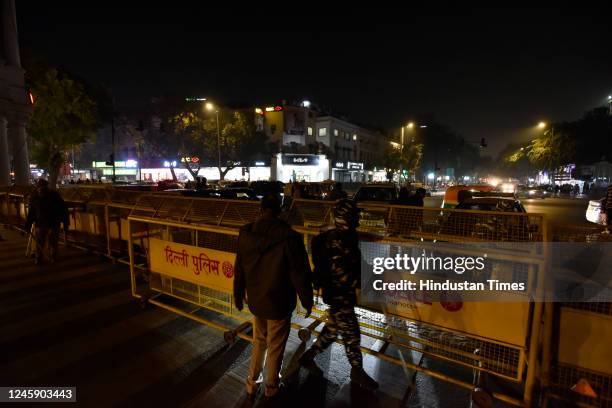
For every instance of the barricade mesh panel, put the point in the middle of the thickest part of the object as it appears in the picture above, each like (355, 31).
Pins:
(564, 377)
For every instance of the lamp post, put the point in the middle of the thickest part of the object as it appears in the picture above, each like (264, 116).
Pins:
(410, 126)
(211, 107)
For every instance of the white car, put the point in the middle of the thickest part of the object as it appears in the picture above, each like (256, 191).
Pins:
(595, 212)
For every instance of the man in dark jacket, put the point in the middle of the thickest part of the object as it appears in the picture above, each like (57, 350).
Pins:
(46, 211)
(271, 266)
(337, 261)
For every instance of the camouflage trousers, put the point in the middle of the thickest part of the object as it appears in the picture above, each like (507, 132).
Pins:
(342, 322)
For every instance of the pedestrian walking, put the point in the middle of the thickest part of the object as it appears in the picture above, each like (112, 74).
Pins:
(271, 267)
(46, 212)
(337, 261)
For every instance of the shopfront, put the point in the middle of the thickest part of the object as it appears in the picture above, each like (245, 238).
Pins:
(348, 172)
(300, 167)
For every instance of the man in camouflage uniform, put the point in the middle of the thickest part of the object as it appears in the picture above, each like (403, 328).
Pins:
(337, 261)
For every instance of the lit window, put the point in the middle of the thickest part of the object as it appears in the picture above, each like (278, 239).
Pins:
(335, 132)
(354, 137)
(309, 130)
(322, 131)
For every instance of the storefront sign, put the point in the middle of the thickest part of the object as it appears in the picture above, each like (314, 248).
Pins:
(339, 165)
(203, 266)
(193, 159)
(301, 159)
(354, 166)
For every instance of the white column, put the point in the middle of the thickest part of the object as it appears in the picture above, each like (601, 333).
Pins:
(21, 163)
(5, 177)
(9, 31)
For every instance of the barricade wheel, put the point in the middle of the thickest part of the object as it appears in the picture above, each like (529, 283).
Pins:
(229, 336)
(304, 334)
(482, 398)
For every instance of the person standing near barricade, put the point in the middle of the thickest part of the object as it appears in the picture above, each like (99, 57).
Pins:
(46, 211)
(337, 259)
(271, 266)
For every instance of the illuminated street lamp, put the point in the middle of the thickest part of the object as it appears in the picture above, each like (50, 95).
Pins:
(210, 107)
(542, 125)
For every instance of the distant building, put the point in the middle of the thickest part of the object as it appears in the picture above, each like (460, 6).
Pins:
(354, 150)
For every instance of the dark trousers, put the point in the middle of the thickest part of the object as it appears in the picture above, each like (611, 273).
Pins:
(342, 321)
(47, 235)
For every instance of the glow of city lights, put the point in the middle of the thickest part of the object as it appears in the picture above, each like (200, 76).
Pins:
(423, 126)
(210, 106)
(306, 104)
(542, 125)
(431, 176)
(494, 182)
(258, 111)
(466, 178)
(410, 125)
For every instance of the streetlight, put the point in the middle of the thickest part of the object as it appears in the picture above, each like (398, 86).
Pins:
(410, 126)
(210, 107)
(542, 125)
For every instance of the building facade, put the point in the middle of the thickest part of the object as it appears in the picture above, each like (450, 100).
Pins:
(15, 103)
(354, 150)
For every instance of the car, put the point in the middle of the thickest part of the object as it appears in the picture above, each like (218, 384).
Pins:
(376, 193)
(490, 227)
(595, 212)
(238, 193)
(532, 192)
(369, 197)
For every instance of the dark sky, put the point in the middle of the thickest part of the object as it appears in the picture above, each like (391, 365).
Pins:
(484, 72)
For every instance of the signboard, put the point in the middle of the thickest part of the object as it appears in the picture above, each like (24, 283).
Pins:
(301, 159)
(354, 166)
(339, 165)
(202, 266)
(193, 159)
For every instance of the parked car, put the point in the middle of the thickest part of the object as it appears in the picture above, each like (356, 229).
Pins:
(238, 193)
(486, 226)
(376, 193)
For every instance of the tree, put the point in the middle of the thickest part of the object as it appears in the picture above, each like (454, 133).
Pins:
(551, 150)
(409, 159)
(64, 116)
(238, 142)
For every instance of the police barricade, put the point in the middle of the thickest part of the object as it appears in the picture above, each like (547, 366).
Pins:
(188, 246)
(580, 356)
(472, 335)
(14, 204)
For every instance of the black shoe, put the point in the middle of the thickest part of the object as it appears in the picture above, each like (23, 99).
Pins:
(306, 360)
(361, 378)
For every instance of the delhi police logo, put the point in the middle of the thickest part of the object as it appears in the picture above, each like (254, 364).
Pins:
(228, 269)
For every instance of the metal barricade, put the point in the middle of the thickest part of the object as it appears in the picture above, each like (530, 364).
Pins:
(183, 229)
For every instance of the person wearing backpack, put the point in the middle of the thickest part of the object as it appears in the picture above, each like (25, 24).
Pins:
(271, 267)
(337, 272)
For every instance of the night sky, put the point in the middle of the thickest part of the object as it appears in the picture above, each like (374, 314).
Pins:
(486, 73)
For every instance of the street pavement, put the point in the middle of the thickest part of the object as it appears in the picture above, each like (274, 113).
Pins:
(75, 323)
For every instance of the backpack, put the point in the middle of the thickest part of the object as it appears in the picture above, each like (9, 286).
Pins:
(321, 275)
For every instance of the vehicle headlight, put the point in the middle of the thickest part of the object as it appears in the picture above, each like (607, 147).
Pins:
(531, 192)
